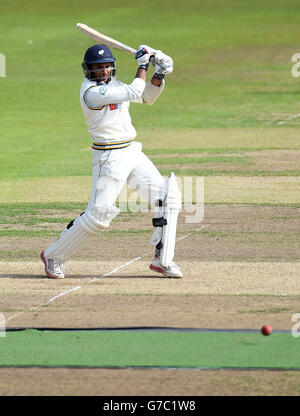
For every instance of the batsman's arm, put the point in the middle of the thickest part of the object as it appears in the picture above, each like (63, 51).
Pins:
(157, 81)
(152, 91)
(141, 74)
(99, 95)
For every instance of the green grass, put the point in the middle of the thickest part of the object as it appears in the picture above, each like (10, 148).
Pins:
(129, 231)
(222, 172)
(28, 215)
(266, 311)
(49, 233)
(28, 233)
(232, 63)
(12, 209)
(41, 215)
(150, 348)
(216, 150)
(233, 160)
(32, 221)
(252, 235)
(19, 255)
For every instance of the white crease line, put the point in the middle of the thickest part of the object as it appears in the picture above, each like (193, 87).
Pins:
(192, 232)
(291, 118)
(144, 255)
(117, 268)
(64, 293)
(92, 280)
(103, 275)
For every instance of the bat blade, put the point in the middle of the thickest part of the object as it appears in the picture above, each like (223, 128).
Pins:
(103, 39)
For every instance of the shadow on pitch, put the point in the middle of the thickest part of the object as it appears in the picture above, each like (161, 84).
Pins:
(74, 276)
(115, 276)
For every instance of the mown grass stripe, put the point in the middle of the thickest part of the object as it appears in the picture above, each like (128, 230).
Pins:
(32, 221)
(9, 209)
(234, 160)
(51, 233)
(222, 172)
(33, 208)
(214, 150)
(28, 233)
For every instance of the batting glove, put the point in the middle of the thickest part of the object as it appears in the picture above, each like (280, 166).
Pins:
(143, 57)
(149, 49)
(163, 64)
(162, 59)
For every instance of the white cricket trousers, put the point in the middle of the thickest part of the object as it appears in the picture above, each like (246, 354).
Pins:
(111, 170)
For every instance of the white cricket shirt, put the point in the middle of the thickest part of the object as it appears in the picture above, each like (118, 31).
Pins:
(106, 110)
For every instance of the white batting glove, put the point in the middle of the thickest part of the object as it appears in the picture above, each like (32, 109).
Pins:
(143, 56)
(162, 59)
(149, 49)
(163, 64)
(163, 71)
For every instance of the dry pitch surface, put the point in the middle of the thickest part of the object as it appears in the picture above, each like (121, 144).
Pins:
(241, 270)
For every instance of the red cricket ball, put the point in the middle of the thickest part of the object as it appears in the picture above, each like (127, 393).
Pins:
(266, 330)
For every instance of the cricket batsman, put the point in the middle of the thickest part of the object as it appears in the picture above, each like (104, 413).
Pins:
(117, 158)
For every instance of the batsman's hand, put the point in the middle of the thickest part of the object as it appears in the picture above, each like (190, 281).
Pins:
(143, 57)
(163, 64)
(149, 49)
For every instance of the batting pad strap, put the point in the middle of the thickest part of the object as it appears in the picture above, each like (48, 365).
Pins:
(159, 222)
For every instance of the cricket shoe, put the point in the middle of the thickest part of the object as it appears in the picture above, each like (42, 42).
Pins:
(53, 268)
(171, 271)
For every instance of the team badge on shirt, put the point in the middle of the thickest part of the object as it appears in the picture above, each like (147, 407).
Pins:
(102, 89)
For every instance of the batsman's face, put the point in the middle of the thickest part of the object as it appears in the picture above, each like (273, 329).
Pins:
(102, 71)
